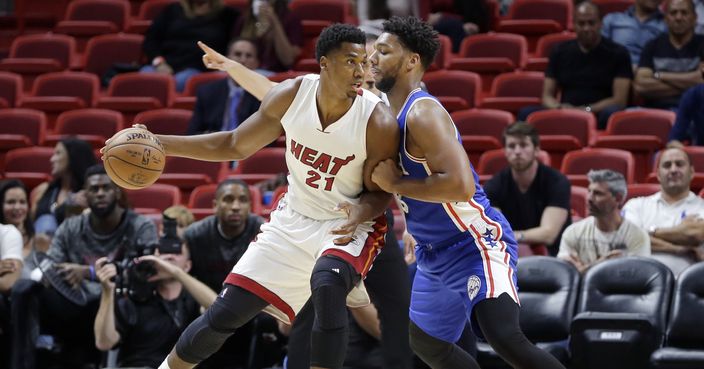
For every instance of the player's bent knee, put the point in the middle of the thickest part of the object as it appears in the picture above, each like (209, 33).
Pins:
(426, 346)
(206, 334)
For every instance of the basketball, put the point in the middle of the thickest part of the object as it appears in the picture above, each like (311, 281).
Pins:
(134, 158)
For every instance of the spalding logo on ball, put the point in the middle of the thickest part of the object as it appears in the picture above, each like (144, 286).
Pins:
(134, 158)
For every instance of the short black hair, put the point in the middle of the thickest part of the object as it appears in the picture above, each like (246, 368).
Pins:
(522, 129)
(332, 37)
(233, 181)
(94, 170)
(415, 35)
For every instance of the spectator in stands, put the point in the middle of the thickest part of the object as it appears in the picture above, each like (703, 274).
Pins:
(468, 18)
(633, 28)
(170, 41)
(63, 196)
(146, 329)
(689, 126)
(605, 234)
(183, 217)
(77, 244)
(591, 73)
(699, 7)
(10, 270)
(372, 13)
(672, 62)
(534, 197)
(217, 243)
(222, 105)
(277, 31)
(673, 217)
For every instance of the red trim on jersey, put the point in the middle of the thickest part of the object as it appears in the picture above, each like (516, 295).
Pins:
(480, 209)
(261, 291)
(490, 281)
(457, 217)
(513, 287)
(372, 247)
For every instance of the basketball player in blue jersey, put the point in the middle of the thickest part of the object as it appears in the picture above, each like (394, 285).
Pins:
(466, 252)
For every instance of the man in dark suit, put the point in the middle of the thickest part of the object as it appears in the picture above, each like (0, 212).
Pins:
(222, 105)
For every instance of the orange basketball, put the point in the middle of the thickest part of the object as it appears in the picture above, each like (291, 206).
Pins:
(134, 158)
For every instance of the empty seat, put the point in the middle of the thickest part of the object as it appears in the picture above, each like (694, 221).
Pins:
(685, 338)
(165, 121)
(318, 14)
(154, 199)
(87, 18)
(576, 164)
(481, 130)
(548, 294)
(137, 92)
(455, 89)
(103, 51)
(189, 173)
(579, 198)
(563, 130)
(622, 311)
(263, 165)
(187, 100)
(10, 89)
(21, 128)
(147, 12)
(535, 18)
(91, 125)
(612, 6)
(31, 55)
(539, 62)
(201, 200)
(515, 90)
(29, 164)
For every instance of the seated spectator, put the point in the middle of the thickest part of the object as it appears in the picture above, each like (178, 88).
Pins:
(699, 7)
(534, 198)
(170, 41)
(222, 105)
(689, 126)
(63, 196)
(183, 217)
(77, 244)
(146, 329)
(674, 217)
(277, 31)
(217, 243)
(633, 28)
(10, 270)
(605, 234)
(469, 18)
(590, 73)
(372, 13)
(671, 63)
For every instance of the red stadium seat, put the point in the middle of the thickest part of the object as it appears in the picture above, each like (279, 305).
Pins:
(21, 128)
(189, 173)
(576, 164)
(282, 76)
(318, 14)
(490, 54)
(147, 11)
(579, 202)
(265, 164)
(563, 130)
(542, 50)
(442, 58)
(535, 18)
(136, 92)
(515, 90)
(10, 89)
(91, 125)
(455, 89)
(641, 189)
(481, 130)
(241, 5)
(641, 131)
(105, 50)
(39, 14)
(188, 99)
(201, 200)
(154, 199)
(31, 55)
(30, 165)
(165, 121)
(612, 6)
(87, 18)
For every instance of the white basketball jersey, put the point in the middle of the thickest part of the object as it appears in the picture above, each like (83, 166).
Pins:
(325, 166)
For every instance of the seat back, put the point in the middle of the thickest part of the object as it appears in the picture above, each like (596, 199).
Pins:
(579, 201)
(582, 161)
(200, 79)
(557, 10)
(176, 164)
(482, 122)
(442, 58)
(29, 160)
(641, 190)
(47, 46)
(102, 122)
(10, 88)
(113, 11)
(684, 328)
(155, 198)
(105, 50)
(269, 160)
(157, 85)
(628, 285)
(165, 121)
(85, 86)
(548, 293)
(518, 84)
(547, 42)
(27, 122)
(507, 45)
(466, 85)
(579, 124)
(335, 11)
(150, 9)
(655, 122)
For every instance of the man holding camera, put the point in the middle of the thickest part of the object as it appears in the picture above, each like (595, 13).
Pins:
(76, 245)
(146, 329)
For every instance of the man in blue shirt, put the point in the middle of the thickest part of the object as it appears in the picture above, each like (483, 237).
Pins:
(689, 125)
(633, 28)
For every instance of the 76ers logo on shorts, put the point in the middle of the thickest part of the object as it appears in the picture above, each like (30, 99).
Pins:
(473, 286)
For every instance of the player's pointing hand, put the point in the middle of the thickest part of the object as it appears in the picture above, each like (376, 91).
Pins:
(386, 174)
(213, 59)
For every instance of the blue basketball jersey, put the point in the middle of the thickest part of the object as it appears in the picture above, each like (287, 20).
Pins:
(431, 223)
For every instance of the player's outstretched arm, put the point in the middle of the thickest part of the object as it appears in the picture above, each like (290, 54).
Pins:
(253, 82)
(431, 129)
(260, 129)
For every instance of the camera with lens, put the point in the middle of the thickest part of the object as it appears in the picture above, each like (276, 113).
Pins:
(132, 277)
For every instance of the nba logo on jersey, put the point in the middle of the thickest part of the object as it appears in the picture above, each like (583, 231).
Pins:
(473, 285)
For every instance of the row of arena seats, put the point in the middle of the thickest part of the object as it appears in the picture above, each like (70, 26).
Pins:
(626, 313)
(641, 132)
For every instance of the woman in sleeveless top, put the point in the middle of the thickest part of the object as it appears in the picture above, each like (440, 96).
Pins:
(62, 196)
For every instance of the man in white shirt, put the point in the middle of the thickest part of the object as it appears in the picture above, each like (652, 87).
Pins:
(10, 257)
(674, 217)
(605, 234)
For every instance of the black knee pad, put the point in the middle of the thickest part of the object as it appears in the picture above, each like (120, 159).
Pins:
(206, 334)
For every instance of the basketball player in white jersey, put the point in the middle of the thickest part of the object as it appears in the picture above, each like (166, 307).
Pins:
(327, 230)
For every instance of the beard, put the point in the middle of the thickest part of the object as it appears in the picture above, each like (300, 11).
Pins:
(103, 212)
(386, 84)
